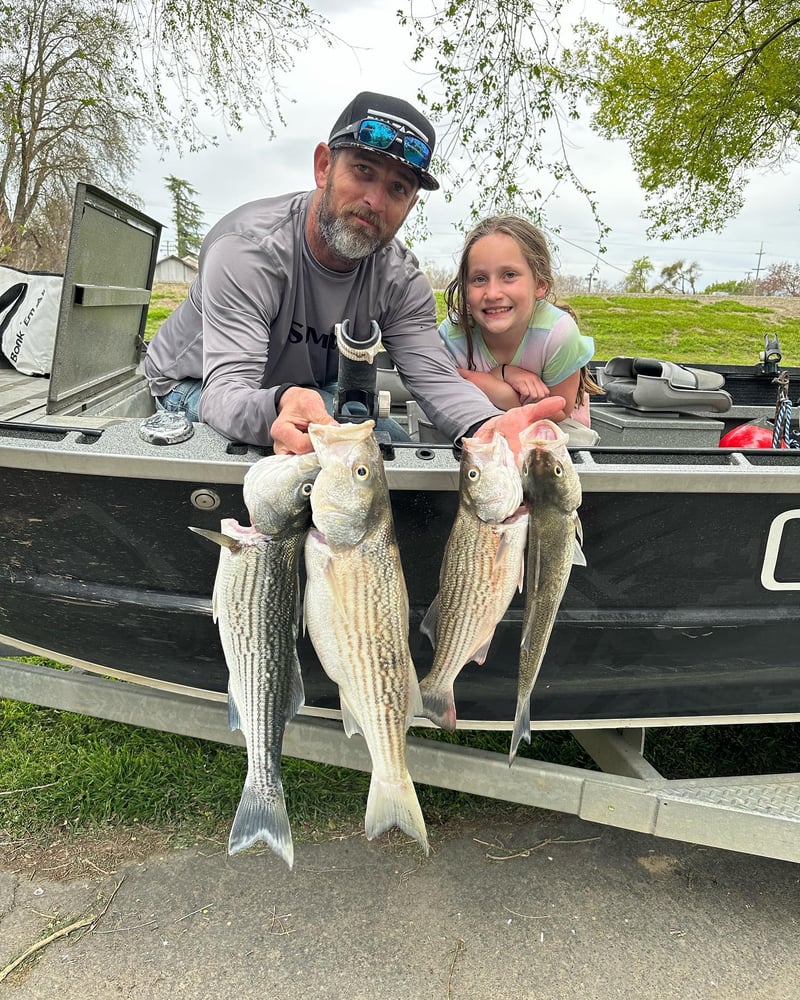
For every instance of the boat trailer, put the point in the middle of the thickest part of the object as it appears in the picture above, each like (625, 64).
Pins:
(754, 814)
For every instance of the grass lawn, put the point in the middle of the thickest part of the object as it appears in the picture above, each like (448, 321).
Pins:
(704, 330)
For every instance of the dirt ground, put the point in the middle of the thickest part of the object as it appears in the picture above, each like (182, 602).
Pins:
(785, 307)
(545, 908)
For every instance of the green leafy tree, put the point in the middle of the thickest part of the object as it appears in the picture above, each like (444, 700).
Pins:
(671, 277)
(703, 93)
(730, 287)
(501, 101)
(81, 82)
(66, 115)
(229, 58)
(187, 216)
(676, 276)
(636, 280)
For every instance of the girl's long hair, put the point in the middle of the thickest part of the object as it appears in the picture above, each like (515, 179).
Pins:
(533, 245)
(587, 384)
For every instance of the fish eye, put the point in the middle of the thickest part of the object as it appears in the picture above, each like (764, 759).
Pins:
(525, 469)
(473, 474)
(362, 472)
(306, 488)
(558, 470)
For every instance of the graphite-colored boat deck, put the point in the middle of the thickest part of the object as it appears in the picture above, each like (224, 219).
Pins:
(22, 397)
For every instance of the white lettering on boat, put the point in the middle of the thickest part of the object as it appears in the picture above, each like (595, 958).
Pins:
(772, 550)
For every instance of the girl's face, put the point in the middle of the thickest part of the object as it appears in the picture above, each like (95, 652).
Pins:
(501, 288)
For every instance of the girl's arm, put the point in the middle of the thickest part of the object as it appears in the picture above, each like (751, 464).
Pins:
(530, 388)
(527, 384)
(568, 389)
(502, 394)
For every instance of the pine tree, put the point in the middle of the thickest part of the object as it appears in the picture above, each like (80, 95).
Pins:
(187, 216)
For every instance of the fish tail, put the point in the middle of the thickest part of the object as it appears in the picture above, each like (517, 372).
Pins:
(522, 727)
(438, 704)
(259, 818)
(394, 803)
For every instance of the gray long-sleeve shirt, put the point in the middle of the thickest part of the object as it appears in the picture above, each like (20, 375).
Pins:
(261, 313)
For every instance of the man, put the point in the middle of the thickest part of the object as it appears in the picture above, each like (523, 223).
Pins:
(276, 275)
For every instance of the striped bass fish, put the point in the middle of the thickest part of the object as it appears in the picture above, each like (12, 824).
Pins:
(552, 492)
(256, 604)
(356, 613)
(483, 565)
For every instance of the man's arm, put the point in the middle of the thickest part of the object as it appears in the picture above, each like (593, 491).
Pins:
(502, 394)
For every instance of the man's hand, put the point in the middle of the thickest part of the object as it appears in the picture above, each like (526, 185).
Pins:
(509, 424)
(297, 409)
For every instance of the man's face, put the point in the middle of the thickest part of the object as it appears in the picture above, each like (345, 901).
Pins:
(366, 198)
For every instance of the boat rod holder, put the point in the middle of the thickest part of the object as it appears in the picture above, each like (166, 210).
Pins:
(357, 397)
(770, 357)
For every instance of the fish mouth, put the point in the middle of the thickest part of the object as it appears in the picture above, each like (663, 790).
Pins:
(544, 432)
(542, 435)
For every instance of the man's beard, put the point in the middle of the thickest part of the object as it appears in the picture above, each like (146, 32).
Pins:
(345, 240)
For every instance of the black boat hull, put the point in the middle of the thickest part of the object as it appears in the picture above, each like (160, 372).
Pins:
(686, 611)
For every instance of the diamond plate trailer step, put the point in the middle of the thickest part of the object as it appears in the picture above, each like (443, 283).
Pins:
(756, 814)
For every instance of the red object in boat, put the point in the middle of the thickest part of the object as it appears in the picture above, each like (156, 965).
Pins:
(747, 436)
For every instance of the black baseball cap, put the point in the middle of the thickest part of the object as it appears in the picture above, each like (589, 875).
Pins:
(409, 138)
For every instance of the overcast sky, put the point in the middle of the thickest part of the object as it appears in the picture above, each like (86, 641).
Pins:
(247, 166)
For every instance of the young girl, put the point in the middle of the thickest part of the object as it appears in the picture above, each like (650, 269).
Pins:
(504, 330)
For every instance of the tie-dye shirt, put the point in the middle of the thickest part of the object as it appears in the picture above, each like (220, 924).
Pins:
(553, 347)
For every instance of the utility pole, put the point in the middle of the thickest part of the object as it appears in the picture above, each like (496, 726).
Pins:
(758, 266)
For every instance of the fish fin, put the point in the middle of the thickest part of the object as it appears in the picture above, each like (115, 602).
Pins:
(234, 718)
(216, 536)
(525, 641)
(533, 586)
(299, 602)
(391, 804)
(503, 547)
(578, 558)
(258, 818)
(522, 727)
(438, 704)
(334, 586)
(506, 551)
(430, 622)
(480, 654)
(527, 630)
(352, 726)
(297, 694)
(415, 706)
(521, 572)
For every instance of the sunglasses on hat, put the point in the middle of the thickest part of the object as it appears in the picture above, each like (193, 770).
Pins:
(381, 135)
